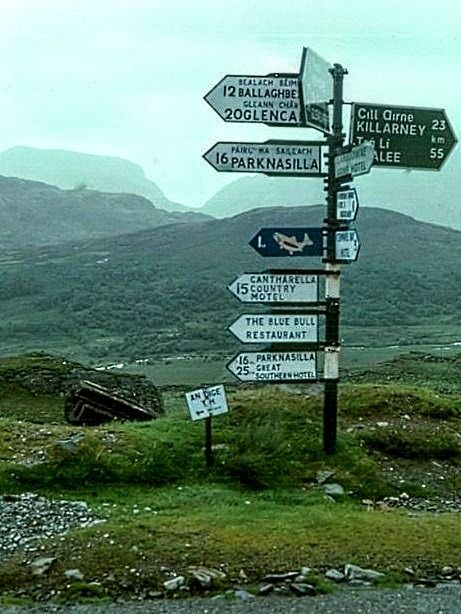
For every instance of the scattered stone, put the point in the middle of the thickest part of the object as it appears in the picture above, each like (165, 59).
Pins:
(174, 584)
(42, 565)
(280, 577)
(243, 595)
(27, 519)
(333, 490)
(202, 579)
(354, 572)
(359, 583)
(429, 582)
(335, 575)
(211, 572)
(323, 476)
(266, 589)
(74, 574)
(302, 589)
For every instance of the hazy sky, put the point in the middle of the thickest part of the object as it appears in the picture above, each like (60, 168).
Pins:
(127, 77)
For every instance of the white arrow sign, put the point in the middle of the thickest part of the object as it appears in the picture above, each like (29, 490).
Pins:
(276, 328)
(347, 205)
(275, 287)
(274, 366)
(207, 402)
(347, 245)
(271, 158)
(268, 100)
(357, 161)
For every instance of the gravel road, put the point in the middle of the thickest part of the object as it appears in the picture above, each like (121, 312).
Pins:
(444, 599)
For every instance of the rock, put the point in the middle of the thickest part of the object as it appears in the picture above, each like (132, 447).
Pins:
(42, 565)
(243, 595)
(280, 577)
(266, 589)
(323, 476)
(303, 589)
(74, 574)
(429, 582)
(333, 490)
(354, 572)
(335, 575)
(206, 574)
(243, 576)
(174, 584)
(202, 579)
(28, 518)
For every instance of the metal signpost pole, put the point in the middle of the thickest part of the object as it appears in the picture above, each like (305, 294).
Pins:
(208, 442)
(333, 270)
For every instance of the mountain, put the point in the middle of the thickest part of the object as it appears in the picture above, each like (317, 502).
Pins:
(33, 213)
(163, 291)
(249, 193)
(71, 170)
(429, 196)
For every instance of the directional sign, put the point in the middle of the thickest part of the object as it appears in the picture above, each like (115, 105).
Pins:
(316, 90)
(355, 162)
(276, 288)
(408, 137)
(274, 366)
(291, 158)
(347, 204)
(276, 328)
(271, 99)
(288, 242)
(207, 402)
(347, 245)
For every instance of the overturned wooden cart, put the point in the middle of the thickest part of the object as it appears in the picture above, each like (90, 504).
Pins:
(92, 404)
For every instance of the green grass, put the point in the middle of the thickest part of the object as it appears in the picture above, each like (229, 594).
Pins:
(259, 508)
(232, 529)
(270, 438)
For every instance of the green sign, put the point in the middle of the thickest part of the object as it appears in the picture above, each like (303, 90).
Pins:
(406, 137)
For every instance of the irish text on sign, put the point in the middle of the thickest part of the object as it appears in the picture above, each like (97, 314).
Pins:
(283, 287)
(271, 158)
(270, 100)
(276, 328)
(347, 205)
(355, 162)
(207, 402)
(347, 245)
(274, 366)
(408, 137)
(275, 242)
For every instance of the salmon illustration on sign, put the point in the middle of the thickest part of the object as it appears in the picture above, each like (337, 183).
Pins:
(291, 244)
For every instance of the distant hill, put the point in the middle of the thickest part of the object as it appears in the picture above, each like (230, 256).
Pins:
(429, 196)
(163, 290)
(33, 213)
(70, 170)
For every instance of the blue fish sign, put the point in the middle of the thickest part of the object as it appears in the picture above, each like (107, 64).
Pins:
(280, 242)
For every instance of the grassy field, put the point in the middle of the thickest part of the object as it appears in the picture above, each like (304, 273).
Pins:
(260, 508)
